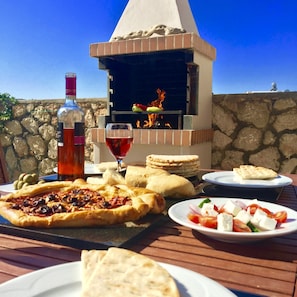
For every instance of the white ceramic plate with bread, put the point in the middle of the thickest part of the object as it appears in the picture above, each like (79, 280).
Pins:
(65, 280)
(230, 179)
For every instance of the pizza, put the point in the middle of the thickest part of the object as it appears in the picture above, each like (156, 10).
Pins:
(78, 204)
(120, 272)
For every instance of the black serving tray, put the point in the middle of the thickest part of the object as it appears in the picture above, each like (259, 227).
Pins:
(101, 237)
(88, 237)
(263, 194)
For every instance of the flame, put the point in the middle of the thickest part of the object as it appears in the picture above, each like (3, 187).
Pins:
(153, 117)
(158, 102)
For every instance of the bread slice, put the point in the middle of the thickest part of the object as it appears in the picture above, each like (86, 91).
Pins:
(254, 172)
(119, 272)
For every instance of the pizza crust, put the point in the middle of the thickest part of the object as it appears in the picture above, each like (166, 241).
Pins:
(142, 202)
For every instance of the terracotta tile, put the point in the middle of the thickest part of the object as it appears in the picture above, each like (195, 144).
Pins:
(137, 136)
(169, 42)
(130, 46)
(187, 42)
(145, 45)
(114, 48)
(153, 44)
(160, 136)
(144, 136)
(185, 137)
(177, 139)
(178, 41)
(93, 50)
(107, 48)
(153, 136)
(161, 43)
(137, 45)
(168, 137)
(100, 49)
(122, 47)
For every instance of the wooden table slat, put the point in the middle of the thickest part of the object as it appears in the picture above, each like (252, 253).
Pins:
(268, 267)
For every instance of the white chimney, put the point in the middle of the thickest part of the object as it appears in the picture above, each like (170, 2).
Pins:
(145, 14)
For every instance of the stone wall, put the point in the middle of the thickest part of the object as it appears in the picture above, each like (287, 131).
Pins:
(29, 139)
(255, 128)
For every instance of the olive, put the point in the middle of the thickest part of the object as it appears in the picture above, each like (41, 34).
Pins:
(28, 178)
(34, 177)
(20, 184)
(15, 184)
(21, 176)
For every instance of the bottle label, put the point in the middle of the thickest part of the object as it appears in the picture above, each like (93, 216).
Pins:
(79, 134)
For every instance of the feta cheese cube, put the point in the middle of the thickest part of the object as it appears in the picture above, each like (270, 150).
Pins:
(225, 222)
(243, 216)
(267, 224)
(232, 208)
(257, 217)
(208, 210)
(262, 221)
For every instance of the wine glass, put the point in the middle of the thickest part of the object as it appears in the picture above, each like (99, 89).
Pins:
(119, 138)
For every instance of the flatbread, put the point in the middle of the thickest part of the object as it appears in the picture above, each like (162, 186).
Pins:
(254, 172)
(78, 204)
(119, 272)
(180, 187)
(183, 165)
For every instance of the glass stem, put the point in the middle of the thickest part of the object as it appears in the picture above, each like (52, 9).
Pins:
(119, 161)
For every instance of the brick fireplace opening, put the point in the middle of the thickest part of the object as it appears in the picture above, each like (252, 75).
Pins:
(156, 44)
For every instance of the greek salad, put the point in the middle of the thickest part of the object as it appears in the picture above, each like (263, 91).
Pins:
(236, 216)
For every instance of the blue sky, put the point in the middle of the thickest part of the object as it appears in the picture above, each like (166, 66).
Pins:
(41, 40)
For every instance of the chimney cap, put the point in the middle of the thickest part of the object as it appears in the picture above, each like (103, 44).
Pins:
(143, 15)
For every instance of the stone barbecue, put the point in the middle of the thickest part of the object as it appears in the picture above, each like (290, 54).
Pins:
(156, 45)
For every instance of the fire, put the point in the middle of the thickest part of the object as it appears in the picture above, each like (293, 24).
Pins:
(154, 108)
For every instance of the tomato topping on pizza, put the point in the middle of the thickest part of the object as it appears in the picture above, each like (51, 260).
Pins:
(65, 201)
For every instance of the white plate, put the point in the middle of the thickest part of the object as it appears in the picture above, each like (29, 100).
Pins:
(179, 211)
(7, 188)
(228, 178)
(90, 169)
(64, 281)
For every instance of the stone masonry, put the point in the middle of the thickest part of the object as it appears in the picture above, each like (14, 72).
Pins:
(254, 128)
(29, 139)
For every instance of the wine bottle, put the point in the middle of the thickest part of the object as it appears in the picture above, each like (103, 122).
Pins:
(70, 134)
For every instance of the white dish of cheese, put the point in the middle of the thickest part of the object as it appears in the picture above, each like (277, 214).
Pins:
(179, 213)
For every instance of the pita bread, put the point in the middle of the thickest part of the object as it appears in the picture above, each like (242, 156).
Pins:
(119, 272)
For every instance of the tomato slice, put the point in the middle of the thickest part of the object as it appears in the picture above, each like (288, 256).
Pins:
(280, 216)
(193, 217)
(239, 226)
(253, 207)
(208, 221)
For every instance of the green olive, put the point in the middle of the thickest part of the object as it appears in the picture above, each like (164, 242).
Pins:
(28, 178)
(20, 184)
(21, 176)
(25, 185)
(35, 177)
(15, 184)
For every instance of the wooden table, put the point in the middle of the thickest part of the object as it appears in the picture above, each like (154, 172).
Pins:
(266, 268)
